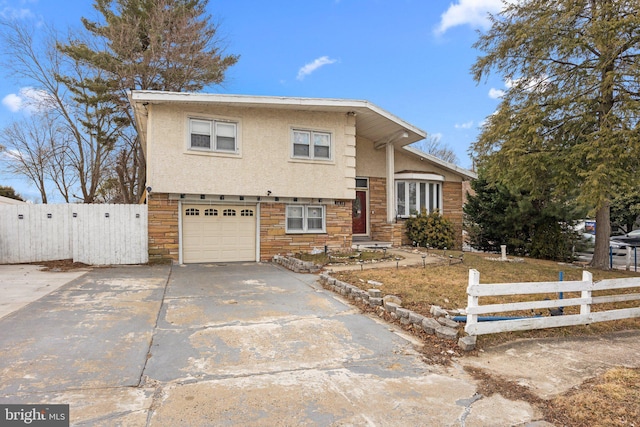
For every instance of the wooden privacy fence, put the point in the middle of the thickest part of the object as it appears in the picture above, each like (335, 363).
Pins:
(91, 234)
(586, 287)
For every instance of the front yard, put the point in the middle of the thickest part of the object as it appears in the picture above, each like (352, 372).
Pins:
(610, 399)
(445, 285)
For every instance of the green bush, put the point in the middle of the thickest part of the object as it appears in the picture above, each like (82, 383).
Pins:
(431, 229)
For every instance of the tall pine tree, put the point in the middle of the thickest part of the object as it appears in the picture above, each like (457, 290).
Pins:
(572, 108)
(169, 45)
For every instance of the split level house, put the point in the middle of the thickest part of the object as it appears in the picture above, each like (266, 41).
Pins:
(243, 178)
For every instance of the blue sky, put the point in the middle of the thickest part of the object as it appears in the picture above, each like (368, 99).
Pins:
(410, 57)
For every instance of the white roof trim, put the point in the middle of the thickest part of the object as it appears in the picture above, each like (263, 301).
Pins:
(466, 173)
(149, 96)
(419, 176)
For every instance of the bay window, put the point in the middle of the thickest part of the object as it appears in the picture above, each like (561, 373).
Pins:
(413, 197)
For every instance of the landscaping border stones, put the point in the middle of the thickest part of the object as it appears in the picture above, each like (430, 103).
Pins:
(296, 265)
(440, 325)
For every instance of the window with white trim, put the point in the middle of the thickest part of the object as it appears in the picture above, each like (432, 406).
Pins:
(213, 135)
(413, 197)
(305, 219)
(312, 145)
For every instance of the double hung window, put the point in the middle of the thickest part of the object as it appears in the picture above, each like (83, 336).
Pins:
(311, 145)
(305, 219)
(213, 135)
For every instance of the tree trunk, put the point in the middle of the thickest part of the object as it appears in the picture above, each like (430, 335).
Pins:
(600, 258)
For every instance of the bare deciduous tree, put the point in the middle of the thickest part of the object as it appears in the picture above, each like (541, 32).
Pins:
(82, 117)
(29, 151)
(433, 145)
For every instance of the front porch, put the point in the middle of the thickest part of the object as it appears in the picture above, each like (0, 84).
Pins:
(367, 243)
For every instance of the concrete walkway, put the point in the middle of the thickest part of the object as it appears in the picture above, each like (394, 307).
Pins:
(407, 257)
(21, 284)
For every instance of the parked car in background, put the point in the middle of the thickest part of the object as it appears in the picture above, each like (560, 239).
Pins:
(630, 239)
(616, 247)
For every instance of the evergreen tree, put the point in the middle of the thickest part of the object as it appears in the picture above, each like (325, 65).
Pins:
(533, 225)
(10, 192)
(625, 212)
(572, 108)
(168, 45)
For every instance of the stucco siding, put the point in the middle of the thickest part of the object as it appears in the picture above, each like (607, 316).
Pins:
(372, 162)
(263, 162)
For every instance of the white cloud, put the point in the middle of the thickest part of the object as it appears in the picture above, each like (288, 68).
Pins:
(436, 136)
(12, 13)
(469, 12)
(496, 93)
(313, 66)
(466, 125)
(538, 84)
(27, 99)
(13, 102)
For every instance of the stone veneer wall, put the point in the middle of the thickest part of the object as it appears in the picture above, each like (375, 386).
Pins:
(274, 240)
(395, 233)
(163, 224)
(452, 200)
(380, 229)
(163, 228)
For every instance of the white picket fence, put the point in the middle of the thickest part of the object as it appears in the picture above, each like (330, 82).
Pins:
(586, 287)
(91, 234)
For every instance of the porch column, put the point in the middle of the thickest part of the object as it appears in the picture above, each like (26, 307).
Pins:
(391, 187)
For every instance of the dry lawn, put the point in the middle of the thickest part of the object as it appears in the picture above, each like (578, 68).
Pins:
(609, 400)
(445, 285)
(612, 399)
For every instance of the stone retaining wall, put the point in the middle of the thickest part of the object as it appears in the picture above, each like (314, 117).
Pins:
(441, 326)
(297, 265)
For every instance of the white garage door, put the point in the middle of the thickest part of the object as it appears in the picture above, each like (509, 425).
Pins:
(218, 233)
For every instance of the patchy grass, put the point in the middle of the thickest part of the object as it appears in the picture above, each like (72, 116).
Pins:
(609, 400)
(445, 285)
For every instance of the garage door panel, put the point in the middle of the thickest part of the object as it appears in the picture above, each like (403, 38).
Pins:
(224, 237)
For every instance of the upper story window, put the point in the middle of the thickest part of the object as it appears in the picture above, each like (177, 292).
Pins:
(213, 135)
(413, 197)
(312, 145)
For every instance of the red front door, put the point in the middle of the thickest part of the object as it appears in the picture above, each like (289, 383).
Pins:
(360, 213)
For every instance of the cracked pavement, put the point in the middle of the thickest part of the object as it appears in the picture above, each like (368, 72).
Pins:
(226, 345)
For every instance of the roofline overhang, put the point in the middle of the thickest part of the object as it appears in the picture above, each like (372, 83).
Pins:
(465, 173)
(414, 134)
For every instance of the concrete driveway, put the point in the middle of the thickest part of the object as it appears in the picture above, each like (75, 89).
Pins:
(226, 345)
